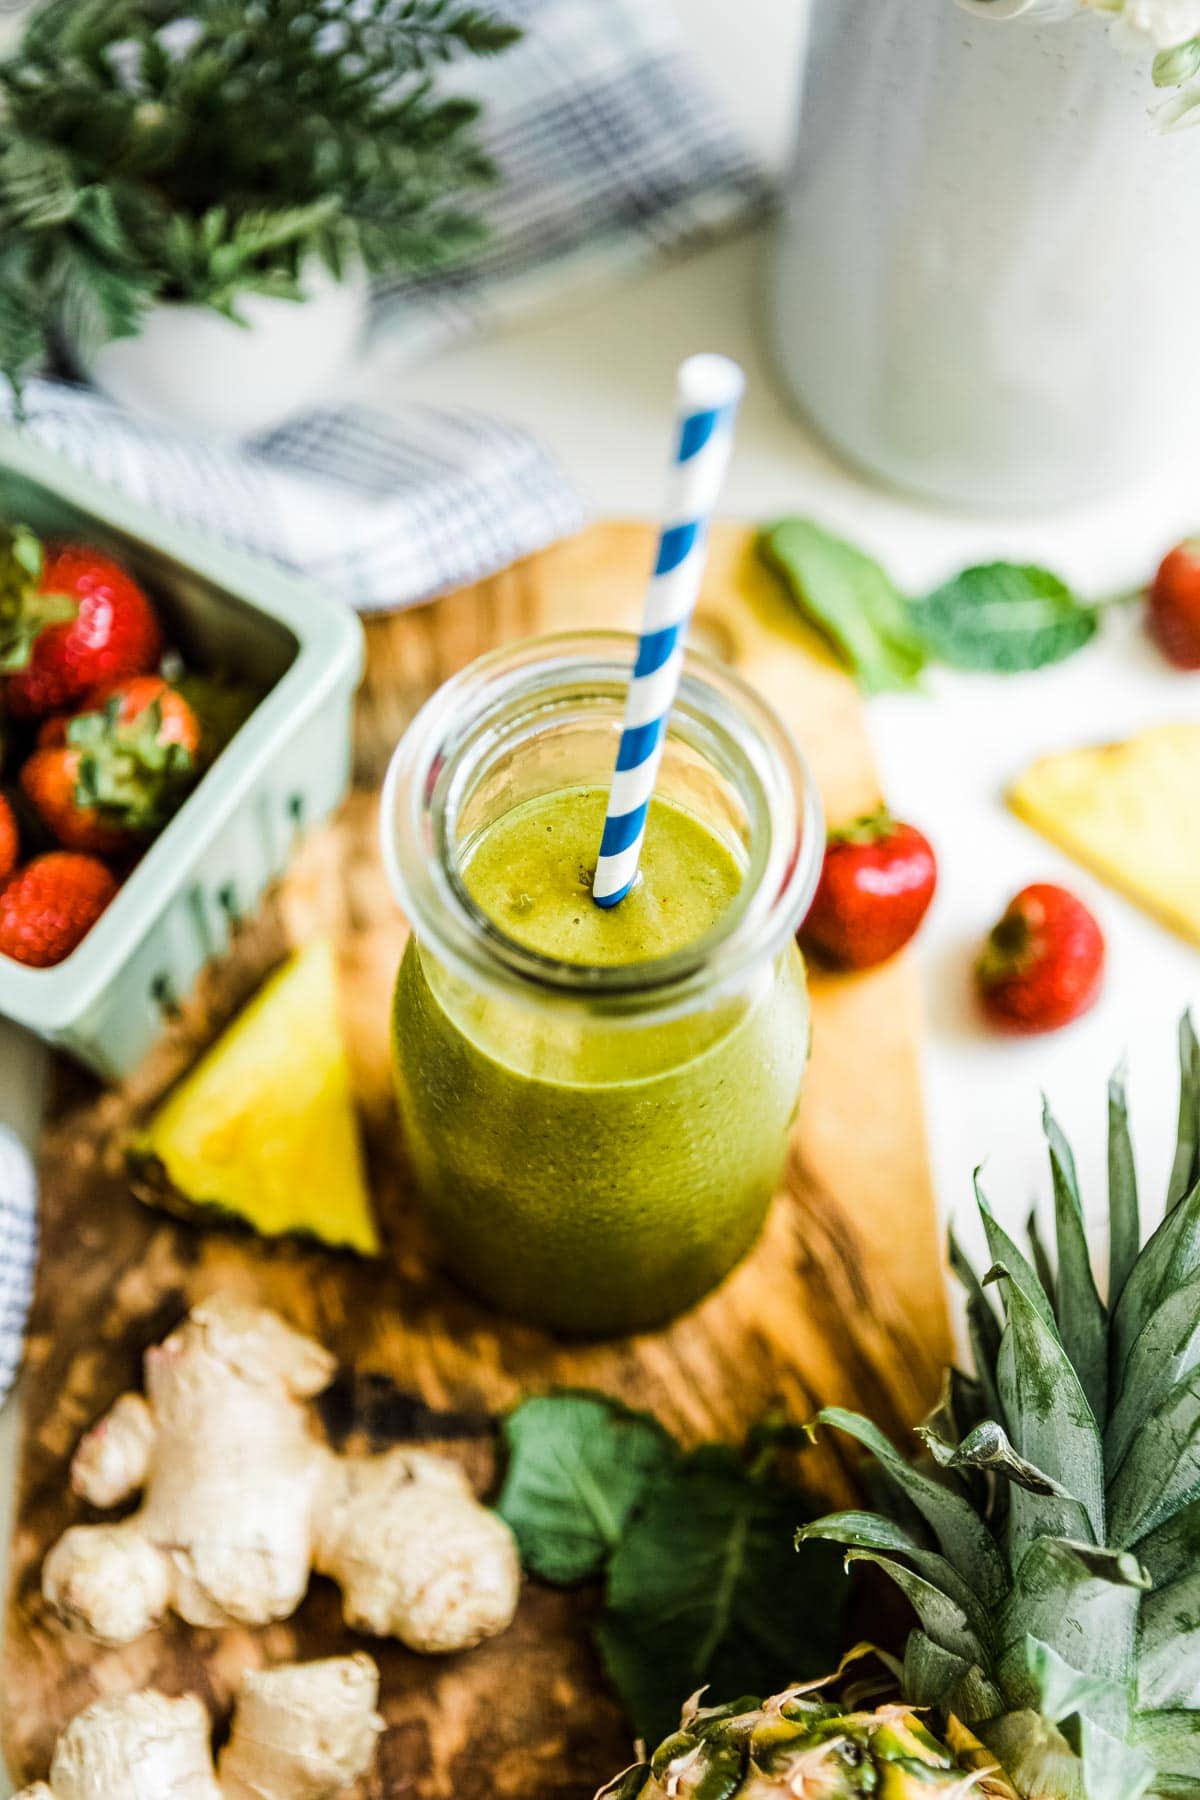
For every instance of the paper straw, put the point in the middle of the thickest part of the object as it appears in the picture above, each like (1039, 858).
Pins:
(708, 389)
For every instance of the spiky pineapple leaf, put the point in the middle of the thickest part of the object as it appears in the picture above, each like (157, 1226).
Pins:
(962, 1535)
(989, 1447)
(1166, 1352)
(578, 1464)
(1051, 1426)
(942, 1619)
(1171, 1738)
(871, 1531)
(983, 1327)
(1161, 1473)
(1167, 1262)
(1082, 1322)
(1043, 1264)
(1173, 1547)
(1169, 1644)
(1061, 1688)
(936, 1677)
(1124, 1227)
(1185, 1169)
(1083, 1602)
(1112, 1768)
(1007, 1255)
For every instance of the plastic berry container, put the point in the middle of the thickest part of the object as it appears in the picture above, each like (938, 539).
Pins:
(286, 768)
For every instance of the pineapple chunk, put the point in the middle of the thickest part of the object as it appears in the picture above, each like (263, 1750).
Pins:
(1131, 812)
(264, 1127)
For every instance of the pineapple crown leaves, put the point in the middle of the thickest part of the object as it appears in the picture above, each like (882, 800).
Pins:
(24, 608)
(155, 151)
(1072, 1645)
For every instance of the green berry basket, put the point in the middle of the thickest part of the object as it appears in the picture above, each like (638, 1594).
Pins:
(284, 769)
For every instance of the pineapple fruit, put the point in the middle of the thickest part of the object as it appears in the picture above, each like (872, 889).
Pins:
(796, 1746)
(1048, 1539)
(264, 1128)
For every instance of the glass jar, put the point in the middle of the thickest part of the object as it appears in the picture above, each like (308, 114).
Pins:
(594, 1147)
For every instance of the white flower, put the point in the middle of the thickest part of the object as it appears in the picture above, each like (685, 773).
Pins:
(1160, 23)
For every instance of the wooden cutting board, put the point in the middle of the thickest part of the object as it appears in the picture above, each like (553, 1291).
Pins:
(841, 1302)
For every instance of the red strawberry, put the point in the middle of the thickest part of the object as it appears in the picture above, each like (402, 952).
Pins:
(51, 782)
(69, 620)
(176, 723)
(1043, 963)
(10, 841)
(876, 884)
(53, 731)
(116, 772)
(50, 905)
(1173, 605)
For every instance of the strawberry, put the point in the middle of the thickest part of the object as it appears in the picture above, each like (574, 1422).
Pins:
(116, 772)
(50, 905)
(1043, 963)
(1173, 605)
(53, 731)
(876, 883)
(51, 781)
(10, 841)
(176, 721)
(69, 620)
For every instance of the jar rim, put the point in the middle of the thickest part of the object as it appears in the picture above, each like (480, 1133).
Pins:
(417, 809)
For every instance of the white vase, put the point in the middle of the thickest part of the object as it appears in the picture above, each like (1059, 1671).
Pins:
(985, 278)
(193, 367)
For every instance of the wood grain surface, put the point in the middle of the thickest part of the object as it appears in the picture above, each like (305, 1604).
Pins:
(840, 1302)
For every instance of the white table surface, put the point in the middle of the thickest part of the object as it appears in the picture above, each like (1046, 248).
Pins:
(594, 379)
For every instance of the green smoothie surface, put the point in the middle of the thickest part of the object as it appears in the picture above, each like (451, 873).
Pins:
(531, 872)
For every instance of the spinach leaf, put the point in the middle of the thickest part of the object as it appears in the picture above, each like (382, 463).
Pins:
(705, 1587)
(850, 600)
(578, 1466)
(1004, 617)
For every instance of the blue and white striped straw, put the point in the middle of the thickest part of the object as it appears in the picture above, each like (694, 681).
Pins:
(708, 389)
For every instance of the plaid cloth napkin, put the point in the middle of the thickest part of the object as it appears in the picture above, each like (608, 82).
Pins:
(612, 155)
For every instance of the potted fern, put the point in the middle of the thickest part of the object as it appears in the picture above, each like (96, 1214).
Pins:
(195, 192)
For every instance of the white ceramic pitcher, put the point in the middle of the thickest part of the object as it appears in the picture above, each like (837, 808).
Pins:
(986, 276)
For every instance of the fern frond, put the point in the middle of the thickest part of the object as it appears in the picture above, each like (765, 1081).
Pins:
(153, 152)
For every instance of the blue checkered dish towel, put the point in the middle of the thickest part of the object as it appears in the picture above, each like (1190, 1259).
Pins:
(611, 155)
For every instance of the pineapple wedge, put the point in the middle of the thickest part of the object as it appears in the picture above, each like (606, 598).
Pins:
(1131, 812)
(264, 1127)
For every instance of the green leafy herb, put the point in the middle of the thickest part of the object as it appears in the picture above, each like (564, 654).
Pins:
(578, 1466)
(1004, 617)
(153, 152)
(706, 1588)
(703, 1582)
(851, 601)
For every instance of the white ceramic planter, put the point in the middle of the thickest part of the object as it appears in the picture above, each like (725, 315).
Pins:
(197, 369)
(985, 276)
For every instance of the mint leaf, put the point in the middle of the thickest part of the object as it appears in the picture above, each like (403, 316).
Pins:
(1004, 617)
(850, 600)
(578, 1466)
(705, 1588)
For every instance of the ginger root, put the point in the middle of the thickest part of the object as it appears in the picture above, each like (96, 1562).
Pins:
(241, 1501)
(302, 1732)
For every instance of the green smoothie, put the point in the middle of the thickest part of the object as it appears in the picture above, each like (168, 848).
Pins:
(596, 1174)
